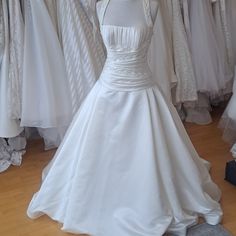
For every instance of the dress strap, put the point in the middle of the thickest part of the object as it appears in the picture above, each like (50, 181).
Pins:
(148, 12)
(103, 11)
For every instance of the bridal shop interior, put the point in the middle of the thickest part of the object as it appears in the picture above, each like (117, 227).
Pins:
(118, 117)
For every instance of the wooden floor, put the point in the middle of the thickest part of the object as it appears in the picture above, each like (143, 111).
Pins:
(19, 183)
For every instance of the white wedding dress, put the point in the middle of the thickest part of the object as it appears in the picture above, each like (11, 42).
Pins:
(126, 165)
(228, 121)
(84, 55)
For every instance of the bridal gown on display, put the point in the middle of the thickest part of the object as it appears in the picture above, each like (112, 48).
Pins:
(16, 59)
(126, 165)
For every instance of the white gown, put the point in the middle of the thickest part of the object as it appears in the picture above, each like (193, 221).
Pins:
(126, 165)
(16, 28)
(8, 127)
(84, 55)
(160, 56)
(46, 100)
(207, 54)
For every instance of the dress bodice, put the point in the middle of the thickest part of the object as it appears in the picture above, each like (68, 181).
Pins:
(126, 67)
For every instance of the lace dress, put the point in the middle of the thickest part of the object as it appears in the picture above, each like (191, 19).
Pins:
(16, 27)
(186, 88)
(84, 55)
(52, 9)
(132, 169)
(46, 100)
(8, 127)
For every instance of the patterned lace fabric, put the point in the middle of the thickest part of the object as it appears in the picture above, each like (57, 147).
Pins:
(16, 59)
(11, 152)
(224, 36)
(84, 56)
(186, 89)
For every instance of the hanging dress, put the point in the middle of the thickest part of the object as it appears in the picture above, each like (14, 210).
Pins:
(16, 35)
(186, 89)
(207, 55)
(84, 55)
(8, 127)
(46, 99)
(129, 167)
(223, 41)
(160, 55)
(230, 12)
(228, 119)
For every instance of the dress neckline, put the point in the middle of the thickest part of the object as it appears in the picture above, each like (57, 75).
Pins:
(147, 14)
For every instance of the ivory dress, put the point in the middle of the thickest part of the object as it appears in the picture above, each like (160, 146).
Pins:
(126, 165)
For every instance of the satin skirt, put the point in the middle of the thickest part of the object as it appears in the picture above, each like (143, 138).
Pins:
(127, 167)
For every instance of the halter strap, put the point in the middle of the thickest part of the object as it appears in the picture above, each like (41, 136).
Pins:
(146, 7)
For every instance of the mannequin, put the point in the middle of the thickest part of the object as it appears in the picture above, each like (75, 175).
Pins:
(122, 8)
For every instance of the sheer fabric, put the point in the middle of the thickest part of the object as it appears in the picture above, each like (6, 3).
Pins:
(46, 101)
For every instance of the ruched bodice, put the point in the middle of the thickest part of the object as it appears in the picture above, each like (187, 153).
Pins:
(126, 67)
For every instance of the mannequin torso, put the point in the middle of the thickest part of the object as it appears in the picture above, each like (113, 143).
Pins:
(127, 12)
